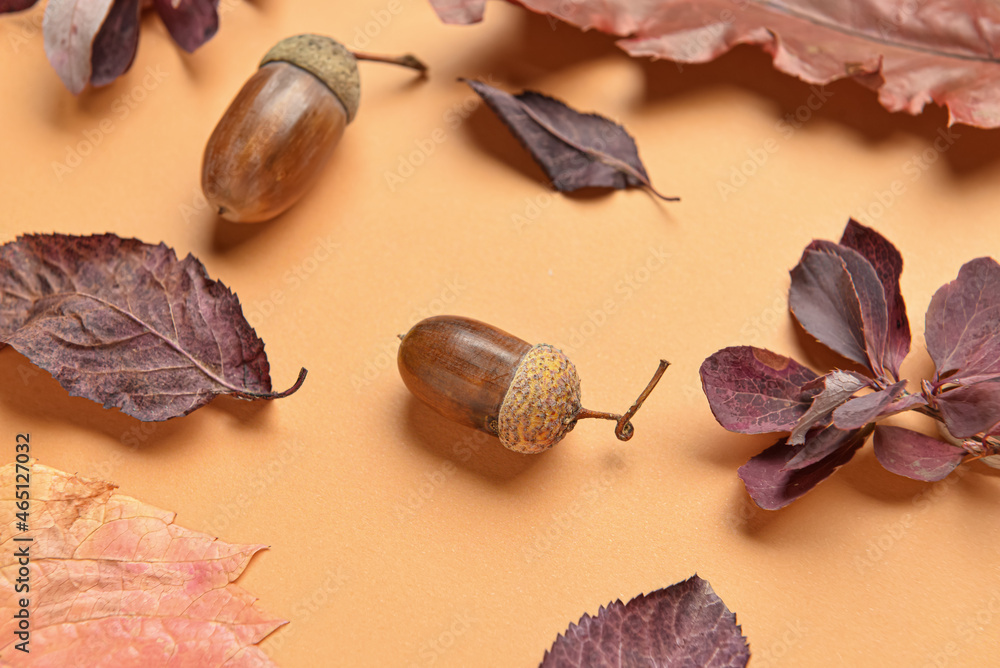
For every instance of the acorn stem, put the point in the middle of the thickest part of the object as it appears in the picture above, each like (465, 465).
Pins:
(403, 61)
(624, 430)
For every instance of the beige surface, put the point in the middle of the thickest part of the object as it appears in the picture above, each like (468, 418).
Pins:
(399, 540)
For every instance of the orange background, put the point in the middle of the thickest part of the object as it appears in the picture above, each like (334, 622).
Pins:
(400, 540)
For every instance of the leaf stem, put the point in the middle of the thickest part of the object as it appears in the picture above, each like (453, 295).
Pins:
(624, 429)
(275, 395)
(407, 60)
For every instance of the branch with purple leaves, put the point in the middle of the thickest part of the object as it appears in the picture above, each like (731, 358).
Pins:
(847, 296)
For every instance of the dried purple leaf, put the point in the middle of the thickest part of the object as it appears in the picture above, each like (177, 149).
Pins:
(575, 150)
(116, 43)
(970, 409)
(126, 324)
(859, 411)
(819, 444)
(838, 387)
(915, 455)
(16, 5)
(772, 485)
(685, 624)
(755, 391)
(190, 22)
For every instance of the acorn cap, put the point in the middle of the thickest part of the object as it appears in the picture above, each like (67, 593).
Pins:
(326, 59)
(542, 402)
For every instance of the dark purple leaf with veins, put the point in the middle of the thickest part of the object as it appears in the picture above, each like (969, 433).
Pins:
(772, 485)
(575, 150)
(819, 444)
(962, 324)
(914, 455)
(888, 265)
(126, 324)
(837, 387)
(755, 391)
(823, 299)
(116, 43)
(970, 409)
(191, 22)
(859, 411)
(871, 298)
(685, 625)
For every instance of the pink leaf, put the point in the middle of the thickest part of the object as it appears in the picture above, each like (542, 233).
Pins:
(913, 53)
(115, 583)
(69, 29)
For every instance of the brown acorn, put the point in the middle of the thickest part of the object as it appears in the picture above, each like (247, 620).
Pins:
(480, 376)
(273, 140)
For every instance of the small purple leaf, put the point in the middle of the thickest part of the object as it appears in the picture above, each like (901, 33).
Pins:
(962, 323)
(116, 42)
(69, 29)
(823, 299)
(772, 486)
(838, 387)
(859, 411)
(970, 409)
(818, 445)
(16, 5)
(755, 391)
(190, 22)
(686, 624)
(575, 150)
(888, 264)
(914, 455)
(871, 298)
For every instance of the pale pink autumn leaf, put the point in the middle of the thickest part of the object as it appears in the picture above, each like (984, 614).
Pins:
(913, 53)
(69, 30)
(115, 583)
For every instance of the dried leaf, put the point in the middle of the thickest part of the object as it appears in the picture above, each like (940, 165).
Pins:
(913, 53)
(888, 265)
(16, 5)
(69, 30)
(116, 584)
(837, 388)
(772, 484)
(859, 411)
(962, 324)
(914, 455)
(755, 391)
(575, 150)
(127, 324)
(970, 409)
(686, 624)
(116, 43)
(190, 22)
(819, 444)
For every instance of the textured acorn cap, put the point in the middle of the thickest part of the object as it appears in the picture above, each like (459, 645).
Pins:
(542, 402)
(326, 59)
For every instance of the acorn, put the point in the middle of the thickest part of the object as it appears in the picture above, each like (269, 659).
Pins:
(282, 127)
(482, 377)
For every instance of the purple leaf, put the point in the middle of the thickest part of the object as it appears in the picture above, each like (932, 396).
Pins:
(914, 455)
(888, 265)
(16, 5)
(575, 150)
(818, 445)
(871, 299)
(755, 391)
(838, 387)
(126, 324)
(970, 409)
(962, 324)
(69, 29)
(862, 410)
(772, 485)
(116, 42)
(684, 625)
(191, 22)
(823, 299)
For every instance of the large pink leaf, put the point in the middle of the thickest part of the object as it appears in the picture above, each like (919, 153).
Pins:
(115, 583)
(913, 53)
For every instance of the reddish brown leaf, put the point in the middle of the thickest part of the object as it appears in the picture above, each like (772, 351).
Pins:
(772, 484)
(191, 22)
(686, 624)
(127, 324)
(836, 388)
(941, 51)
(859, 411)
(116, 584)
(914, 455)
(16, 5)
(116, 42)
(575, 150)
(970, 409)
